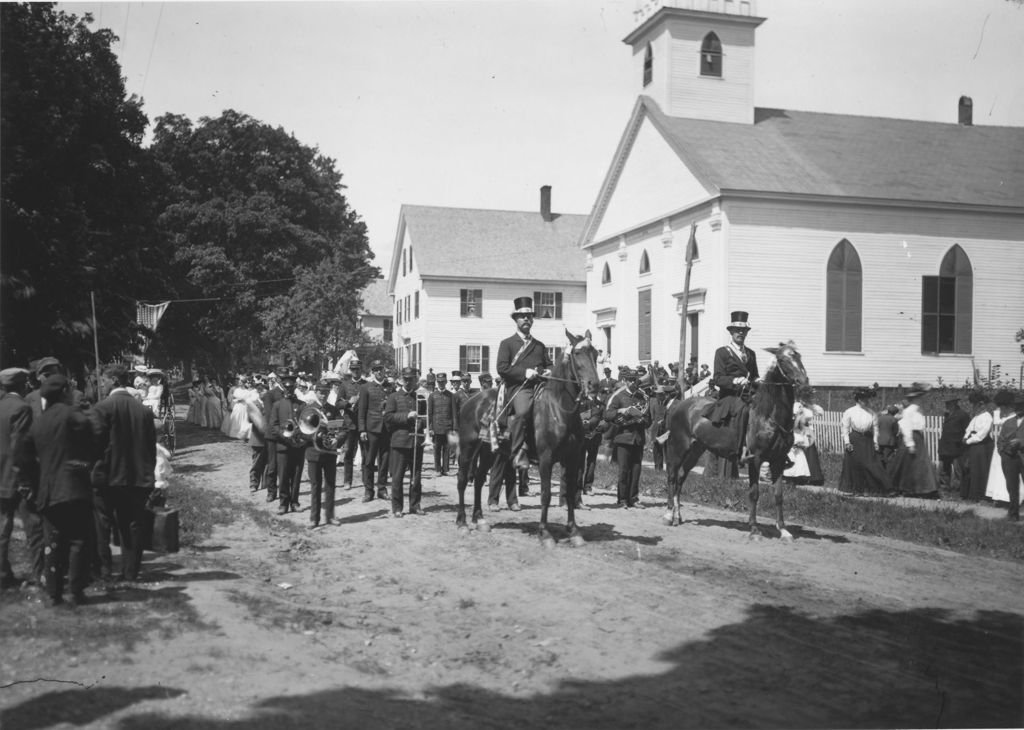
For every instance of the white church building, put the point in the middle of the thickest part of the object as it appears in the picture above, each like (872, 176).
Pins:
(889, 250)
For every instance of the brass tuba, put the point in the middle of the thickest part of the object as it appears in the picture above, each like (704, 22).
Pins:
(315, 427)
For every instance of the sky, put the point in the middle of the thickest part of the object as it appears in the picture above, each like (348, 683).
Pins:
(478, 103)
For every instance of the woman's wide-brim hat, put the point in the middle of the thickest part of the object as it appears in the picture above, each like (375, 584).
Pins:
(917, 390)
(738, 321)
(523, 307)
(864, 393)
(154, 372)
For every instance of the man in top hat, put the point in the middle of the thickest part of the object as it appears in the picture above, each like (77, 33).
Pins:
(951, 444)
(348, 400)
(443, 418)
(1010, 444)
(290, 450)
(405, 418)
(522, 361)
(15, 485)
(735, 376)
(373, 436)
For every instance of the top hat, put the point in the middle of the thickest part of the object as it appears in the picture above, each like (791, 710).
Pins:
(863, 393)
(917, 390)
(523, 307)
(287, 374)
(484, 378)
(739, 322)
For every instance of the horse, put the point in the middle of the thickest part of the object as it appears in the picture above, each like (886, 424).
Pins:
(769, 436)
(557, 431)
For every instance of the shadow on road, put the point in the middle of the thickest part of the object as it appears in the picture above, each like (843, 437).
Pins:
(79, 706)
(776, 668)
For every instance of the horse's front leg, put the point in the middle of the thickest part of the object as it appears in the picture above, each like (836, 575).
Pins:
(778, 487)
(465, 465)
(545, 499)
(753, 494)
(485, 458)
(570, 480)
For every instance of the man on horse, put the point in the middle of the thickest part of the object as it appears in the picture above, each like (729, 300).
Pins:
(736, 377)
(522, 359)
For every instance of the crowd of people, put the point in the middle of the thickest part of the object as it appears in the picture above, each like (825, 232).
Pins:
(75, 472)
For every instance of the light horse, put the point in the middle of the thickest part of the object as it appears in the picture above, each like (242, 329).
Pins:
(769, 436)
(557, 431)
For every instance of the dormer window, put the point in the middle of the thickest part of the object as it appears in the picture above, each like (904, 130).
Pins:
(711, 56)
(648, 65)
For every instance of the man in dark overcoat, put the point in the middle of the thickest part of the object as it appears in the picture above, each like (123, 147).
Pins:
(405, 416)
(126, 438)
(442, 418)
(322, 466)
(348, 401)
(735, 377)
(372, 433)
(1010, 445)
(628, 410)
(951, 444)
(273, 394)
(284, 414)
(522, 361)
(60, 446)
(15, 483)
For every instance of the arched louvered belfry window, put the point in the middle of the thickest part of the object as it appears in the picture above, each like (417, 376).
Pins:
(711, 56)
(648, 65)
(606, 274)
(645, 263)
(947, 305)
(844, 300)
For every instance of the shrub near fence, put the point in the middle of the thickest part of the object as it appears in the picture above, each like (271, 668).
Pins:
(829, 436)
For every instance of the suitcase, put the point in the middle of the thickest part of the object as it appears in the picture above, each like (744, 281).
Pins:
(161, 534)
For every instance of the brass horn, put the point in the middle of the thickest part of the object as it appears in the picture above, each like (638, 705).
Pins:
(315, 427)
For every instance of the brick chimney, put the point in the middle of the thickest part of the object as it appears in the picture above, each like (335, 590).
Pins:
(545, 203)
(966, 109)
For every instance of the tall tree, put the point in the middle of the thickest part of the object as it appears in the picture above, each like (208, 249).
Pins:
(258, 222)
(75, 191)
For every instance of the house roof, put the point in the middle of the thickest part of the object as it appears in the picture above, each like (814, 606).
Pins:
(492, 244)
(852, 156)
(376, 299)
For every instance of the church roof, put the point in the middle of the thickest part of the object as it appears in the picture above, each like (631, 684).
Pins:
(376, 299)
(493, 244)
(843, 155)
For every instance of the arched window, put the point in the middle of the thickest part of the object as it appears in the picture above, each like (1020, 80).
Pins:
(946, 305)
(711, 56)
(843, 299)
(645, 263)
(606, 274)
(648, 65)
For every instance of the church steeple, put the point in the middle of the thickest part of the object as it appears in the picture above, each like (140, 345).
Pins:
(695, 58)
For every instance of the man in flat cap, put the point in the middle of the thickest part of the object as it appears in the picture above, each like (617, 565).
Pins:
(15, 486)
(405, 415)
(373, 436)
(442, 419)
(348, 401)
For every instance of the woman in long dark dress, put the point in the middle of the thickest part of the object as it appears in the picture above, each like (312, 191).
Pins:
(913, 473)
(980, 441)
(862, 469)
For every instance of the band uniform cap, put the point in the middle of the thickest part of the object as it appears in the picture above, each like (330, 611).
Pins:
(522, 306)
(485, 378)
(739, 321)
(917, 390)
(12, 377)
(330, 377)
(441, 376)
(456, 375)
(409, 373)
(48, 362)
(355, 363)
(376, 365)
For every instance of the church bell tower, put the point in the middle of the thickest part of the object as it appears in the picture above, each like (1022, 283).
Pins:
(695, 58)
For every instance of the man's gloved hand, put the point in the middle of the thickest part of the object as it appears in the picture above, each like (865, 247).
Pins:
(531, 373)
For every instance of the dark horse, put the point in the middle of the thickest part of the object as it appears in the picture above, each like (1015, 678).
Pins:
(557, 430)
(769, 435)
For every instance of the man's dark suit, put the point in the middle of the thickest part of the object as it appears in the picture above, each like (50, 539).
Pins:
(289, 455)
(628, 441)
(126, 437)
(952, 449)
(370, 421)
(407, 437)
(1011, 452)
(731, 407)
(272, 396)
(15, 422)
(514, 358)
(348, 400)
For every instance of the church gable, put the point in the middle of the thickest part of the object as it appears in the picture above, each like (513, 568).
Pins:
(653, 181)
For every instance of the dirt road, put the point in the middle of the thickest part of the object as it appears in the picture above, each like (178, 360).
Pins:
(384, 623)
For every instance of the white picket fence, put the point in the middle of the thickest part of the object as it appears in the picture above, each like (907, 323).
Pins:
(829, 437)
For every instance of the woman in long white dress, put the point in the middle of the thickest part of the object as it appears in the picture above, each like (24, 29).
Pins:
(236, 422)
(995, 489)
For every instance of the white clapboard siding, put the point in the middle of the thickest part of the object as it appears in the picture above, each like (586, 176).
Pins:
(829, 437)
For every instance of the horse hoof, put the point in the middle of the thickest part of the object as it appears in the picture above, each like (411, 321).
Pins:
(483, 526)
(755, 536)
(548, 543)
(462, 528)
(785, 535)
(577, 541)
(667, 519)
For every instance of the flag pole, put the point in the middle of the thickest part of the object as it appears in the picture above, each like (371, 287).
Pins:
(691, 246)
(95, 344)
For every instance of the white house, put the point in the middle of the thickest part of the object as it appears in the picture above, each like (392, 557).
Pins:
(456, 271)
(889, 250)
(376, 318)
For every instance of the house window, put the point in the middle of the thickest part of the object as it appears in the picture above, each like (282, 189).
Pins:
(403, 262)
(474, 358)
(607, 340)
(648, 65)
(554, 354)
(398, 311)
(548, 304)
(711, 56)
(389, 330)
(407, 308)
(946, 306)
(843, 299)
(416, 357)
(606, 274)
(471, 302)
(645, 263)
(416, 305)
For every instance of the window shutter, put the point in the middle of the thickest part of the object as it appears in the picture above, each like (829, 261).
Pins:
(964, 327)
(485, 360)
(462, 358)
(558, 305)
(536, 303)
(417, 304)
(479, 302)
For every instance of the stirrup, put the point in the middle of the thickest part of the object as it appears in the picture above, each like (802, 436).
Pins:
(745, 455)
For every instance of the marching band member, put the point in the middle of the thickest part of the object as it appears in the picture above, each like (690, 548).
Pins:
(373, 437)
(443, 418)
(403, 417)
(322, 466)
(285, 413)
(628, 409)
(348, 397)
